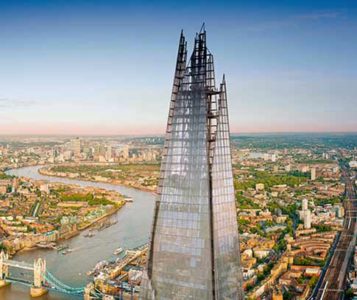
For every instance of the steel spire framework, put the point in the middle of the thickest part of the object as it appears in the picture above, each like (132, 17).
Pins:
(194, 250)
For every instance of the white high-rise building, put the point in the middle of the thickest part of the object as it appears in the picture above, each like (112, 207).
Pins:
(307, 219)
(108, 153)
(75, 147)
(304, 204)
(313, 173)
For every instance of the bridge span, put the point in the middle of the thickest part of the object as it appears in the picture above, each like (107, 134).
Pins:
(43, 280)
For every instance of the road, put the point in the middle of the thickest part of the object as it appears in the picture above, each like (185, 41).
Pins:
(332, 286)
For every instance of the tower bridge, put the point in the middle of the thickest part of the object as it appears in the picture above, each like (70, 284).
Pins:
(43, 280)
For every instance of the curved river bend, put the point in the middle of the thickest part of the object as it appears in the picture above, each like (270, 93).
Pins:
(131, 230)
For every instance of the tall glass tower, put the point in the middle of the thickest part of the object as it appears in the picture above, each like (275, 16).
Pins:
(194, 251)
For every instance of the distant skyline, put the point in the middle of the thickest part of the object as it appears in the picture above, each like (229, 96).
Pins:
(105, 67)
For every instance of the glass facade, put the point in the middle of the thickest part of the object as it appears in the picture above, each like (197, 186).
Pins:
(194, 251)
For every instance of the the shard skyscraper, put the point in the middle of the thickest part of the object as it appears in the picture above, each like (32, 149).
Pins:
(194, 251)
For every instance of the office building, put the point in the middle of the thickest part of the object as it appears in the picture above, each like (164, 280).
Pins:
(194, 249)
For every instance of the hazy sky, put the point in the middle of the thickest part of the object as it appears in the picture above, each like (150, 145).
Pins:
(106, 67)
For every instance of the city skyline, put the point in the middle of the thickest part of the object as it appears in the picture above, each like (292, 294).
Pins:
(136, 163)
(291, 67)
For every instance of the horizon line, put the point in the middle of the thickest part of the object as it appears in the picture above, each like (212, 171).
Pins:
(163, 134)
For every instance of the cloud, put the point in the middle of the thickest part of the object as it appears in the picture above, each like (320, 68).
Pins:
(16, 103)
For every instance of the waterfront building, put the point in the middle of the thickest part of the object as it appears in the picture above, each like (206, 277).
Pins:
(194, 248)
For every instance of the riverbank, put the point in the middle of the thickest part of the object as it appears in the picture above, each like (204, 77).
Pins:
(46, 171)
(132, 230)
(62, 237)
(63, 217)
(101, 218)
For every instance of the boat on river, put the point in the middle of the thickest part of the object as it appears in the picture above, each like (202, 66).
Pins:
(44, 245)
(61, 247)
(89, 234)
(118, 251)
(66, 251)
(97, 267)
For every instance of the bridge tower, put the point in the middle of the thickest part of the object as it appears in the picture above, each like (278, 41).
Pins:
(87, 291)
(4, 269)
(39, 271)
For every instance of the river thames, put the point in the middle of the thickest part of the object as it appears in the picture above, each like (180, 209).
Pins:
(131, 230)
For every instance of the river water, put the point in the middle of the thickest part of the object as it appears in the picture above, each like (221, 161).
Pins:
(131, 230)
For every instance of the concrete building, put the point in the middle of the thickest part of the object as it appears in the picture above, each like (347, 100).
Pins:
(75, 147)
(307, 219)
(304, 204)
(353, 164)
(259, 187)
(313, 174)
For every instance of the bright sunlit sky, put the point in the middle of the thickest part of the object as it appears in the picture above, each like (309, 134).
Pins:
(106, 67)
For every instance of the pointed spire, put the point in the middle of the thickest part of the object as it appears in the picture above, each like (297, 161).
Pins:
(203, 28)
(222, 86)
(223, 83)
(182, 37)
